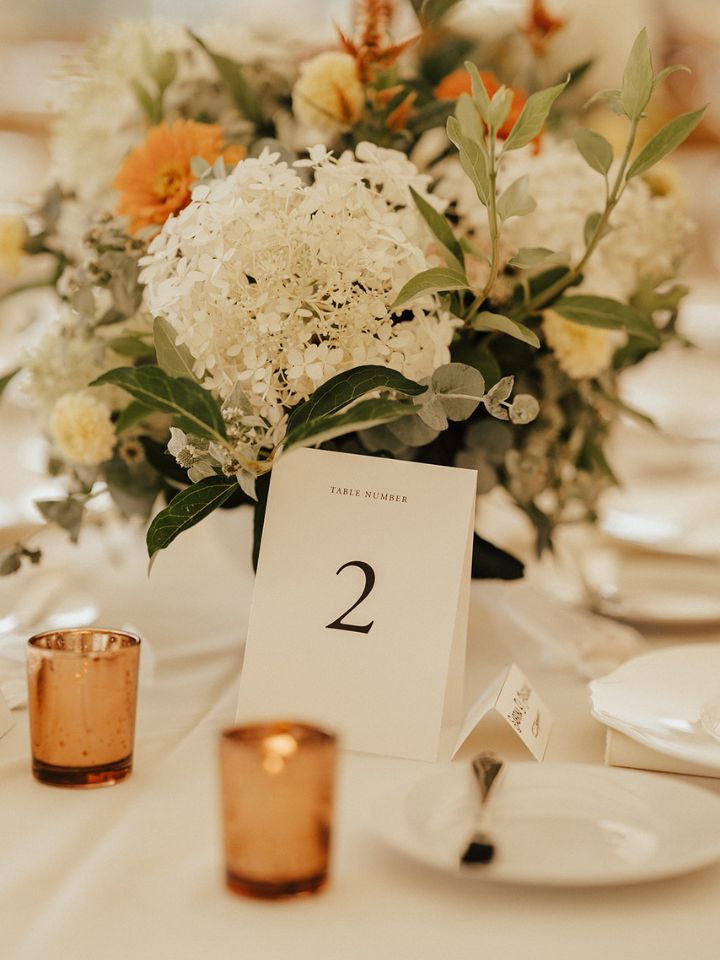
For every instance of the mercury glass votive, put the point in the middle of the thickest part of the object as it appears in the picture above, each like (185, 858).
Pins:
(82, 694)
(277, 796)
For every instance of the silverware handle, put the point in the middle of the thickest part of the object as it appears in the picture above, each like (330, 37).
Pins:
(486, 767)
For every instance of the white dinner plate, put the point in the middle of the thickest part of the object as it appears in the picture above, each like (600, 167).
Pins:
(660, 698)
(557, 825)
(665, 591)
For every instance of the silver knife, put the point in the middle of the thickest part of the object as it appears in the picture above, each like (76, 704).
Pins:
(480, 848)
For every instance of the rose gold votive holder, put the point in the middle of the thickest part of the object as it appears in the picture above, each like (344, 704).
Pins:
(277, 794)
(82, 693)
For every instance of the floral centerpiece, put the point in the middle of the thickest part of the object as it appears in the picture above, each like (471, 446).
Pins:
(374, 248)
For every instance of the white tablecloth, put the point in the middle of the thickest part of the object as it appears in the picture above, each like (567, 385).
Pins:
(134, 871)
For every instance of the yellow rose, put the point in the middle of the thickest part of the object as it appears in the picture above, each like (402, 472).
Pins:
(579, 350)
(13, 234)
(328, 95)
(82, 429)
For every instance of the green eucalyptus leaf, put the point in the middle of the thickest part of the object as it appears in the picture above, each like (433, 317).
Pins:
(360, 416)
(497, 321)
(596, 151)
(441, 231)
(434, 280)
(192, 408)
(529, 258)
(176, 361)
(411, 431)
(591, 225)
(432, 413)
(346, 388)
(533, 116)
(524, 408)
(459, 388)
(665, 141)
(637, 86)
(516, 200)
(606, 313)
(189, 507)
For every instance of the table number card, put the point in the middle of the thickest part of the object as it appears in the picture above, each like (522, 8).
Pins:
(508, 713)
(359, 615)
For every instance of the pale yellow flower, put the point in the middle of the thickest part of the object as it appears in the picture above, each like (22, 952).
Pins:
(328, 95)
(580, 351)
(13, 234)
(82, 428)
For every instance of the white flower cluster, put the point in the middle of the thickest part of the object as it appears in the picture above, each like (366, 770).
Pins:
(650, 233)
(275, 284)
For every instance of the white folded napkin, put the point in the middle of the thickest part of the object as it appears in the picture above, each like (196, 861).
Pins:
(623, 751)
(538, 628)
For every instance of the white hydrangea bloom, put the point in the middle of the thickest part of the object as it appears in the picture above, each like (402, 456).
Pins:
(82, 429)
(650, 232)
(277, 285)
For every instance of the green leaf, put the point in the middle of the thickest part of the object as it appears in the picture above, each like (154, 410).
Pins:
(529, 258)
(479, 93)
(411, 431)
(668, 71)
(665, 141)
(193, 408)
(346, 388)
(441, 231)
(637, 86)
(434, 280)
(132, 414)
(468, 117)
(578, 72)
(473, 159)
(67, 513)
(591, 225)
(175, 361)
(500, 107)
(232, 75)
(360, 416)
(596, 151)
(131, 346)
(612, 98)
(478, 357)
(491, 563)
(150, 106)
(533, 116)
(606, 313)
(6, 378)
(459, 389)
(186, 509)
(497, 321)
(516, 200)
(430, 11)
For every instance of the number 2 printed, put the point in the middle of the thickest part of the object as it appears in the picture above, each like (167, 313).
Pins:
(369, 584)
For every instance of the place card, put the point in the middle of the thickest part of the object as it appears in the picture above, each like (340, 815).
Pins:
(359, 616)
(508, 713)
(6, 718)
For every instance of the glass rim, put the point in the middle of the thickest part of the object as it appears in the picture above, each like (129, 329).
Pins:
(128, 638)
(253, 733)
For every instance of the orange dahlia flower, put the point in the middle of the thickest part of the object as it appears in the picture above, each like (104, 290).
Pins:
(155, 180)
(458, 82)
